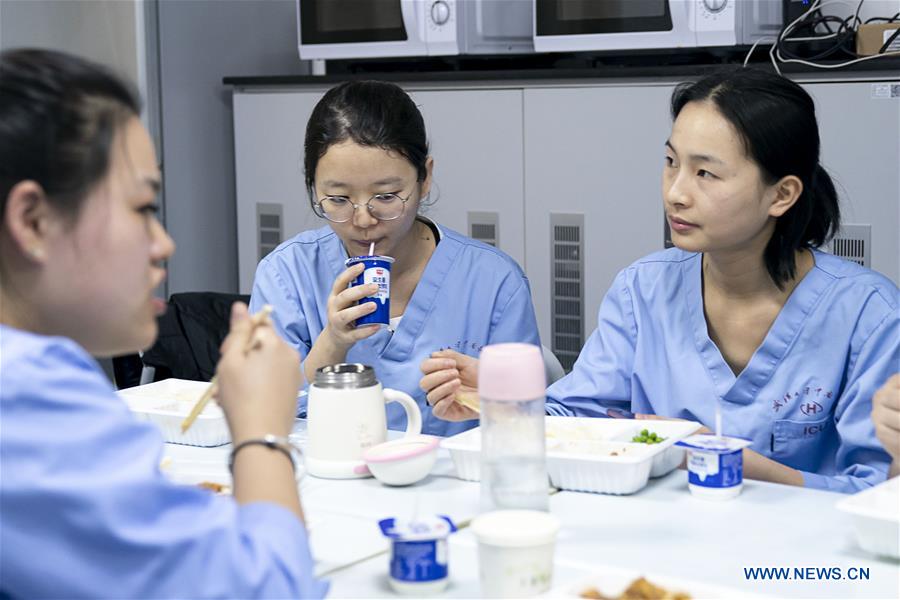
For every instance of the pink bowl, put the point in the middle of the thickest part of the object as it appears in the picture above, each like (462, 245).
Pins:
(404, 461)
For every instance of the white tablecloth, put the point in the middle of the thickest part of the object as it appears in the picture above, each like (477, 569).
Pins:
(661, 530)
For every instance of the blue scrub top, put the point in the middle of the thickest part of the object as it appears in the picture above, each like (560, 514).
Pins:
(470, 295)
(804, 398)
(87, 512)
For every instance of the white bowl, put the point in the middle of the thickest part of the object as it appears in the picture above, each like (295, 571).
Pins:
(404, 461)
(875, 517)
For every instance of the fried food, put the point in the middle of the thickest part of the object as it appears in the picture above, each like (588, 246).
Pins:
(640, 589)
(218, 488)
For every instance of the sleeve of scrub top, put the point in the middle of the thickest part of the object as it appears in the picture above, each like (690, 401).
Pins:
(861, 461)
(270, 286)
(90, 514)
(515, 321)
(601, 377)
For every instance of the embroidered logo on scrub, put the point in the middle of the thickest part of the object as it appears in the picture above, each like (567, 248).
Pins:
(808, 405)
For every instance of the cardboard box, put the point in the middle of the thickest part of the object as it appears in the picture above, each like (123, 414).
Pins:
(870, 38)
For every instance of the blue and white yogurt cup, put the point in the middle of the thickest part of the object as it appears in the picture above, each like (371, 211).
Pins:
(377, 270)
(419, 561)
(715, 465)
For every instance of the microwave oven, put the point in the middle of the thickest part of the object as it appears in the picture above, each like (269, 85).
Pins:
(598, 25)
(342, 29)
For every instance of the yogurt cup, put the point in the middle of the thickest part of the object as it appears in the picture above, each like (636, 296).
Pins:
(418, 554)
(377, 270)
(515, 552)
(715, 465)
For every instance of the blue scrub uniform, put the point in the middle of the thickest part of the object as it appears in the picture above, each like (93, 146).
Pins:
(87, 513)
(470, 295)
(805, 397)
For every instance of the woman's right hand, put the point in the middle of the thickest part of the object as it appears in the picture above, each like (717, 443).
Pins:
(886, 417)
(447, 374)
(258, 377)
(343, 310)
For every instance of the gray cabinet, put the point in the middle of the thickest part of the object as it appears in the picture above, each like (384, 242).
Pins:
(595, 153)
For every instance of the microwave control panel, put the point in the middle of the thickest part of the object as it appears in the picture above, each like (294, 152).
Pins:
(715, 22)
(440, 27)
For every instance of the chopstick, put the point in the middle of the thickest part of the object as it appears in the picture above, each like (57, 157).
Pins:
(255, 321)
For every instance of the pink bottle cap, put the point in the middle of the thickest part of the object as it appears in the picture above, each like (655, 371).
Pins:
(511, 372)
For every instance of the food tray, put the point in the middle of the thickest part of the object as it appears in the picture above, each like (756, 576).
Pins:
(166, 403)
(579, 453)
(876, 519)
(611, 582)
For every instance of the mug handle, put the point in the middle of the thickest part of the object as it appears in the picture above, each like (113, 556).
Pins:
(413, 414)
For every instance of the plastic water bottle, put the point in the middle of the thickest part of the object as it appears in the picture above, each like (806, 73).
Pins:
(511, 386)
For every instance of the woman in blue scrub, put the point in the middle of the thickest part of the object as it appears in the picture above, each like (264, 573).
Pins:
(745, 313)
(86, 510)
(368, 174)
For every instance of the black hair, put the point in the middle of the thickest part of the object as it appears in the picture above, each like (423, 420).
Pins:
(776, 120)
(58, 117)
(370, 113)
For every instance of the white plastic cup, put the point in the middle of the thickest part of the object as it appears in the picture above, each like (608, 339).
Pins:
(515, 552)
(715, 465)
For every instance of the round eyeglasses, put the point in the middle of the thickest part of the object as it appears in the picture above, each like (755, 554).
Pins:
(339, 209)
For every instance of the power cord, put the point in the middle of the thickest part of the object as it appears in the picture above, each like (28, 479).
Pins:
(808, 24)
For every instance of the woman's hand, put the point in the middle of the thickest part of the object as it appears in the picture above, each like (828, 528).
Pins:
(340, 332)
(886, 418)
(258, 378)
(343, 310)
(447, 374)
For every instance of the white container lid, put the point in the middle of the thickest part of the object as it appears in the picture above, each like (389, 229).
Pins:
(515, 528)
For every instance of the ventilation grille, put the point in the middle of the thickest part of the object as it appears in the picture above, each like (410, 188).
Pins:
(268, 227)
(485, 227)
(854, 242)
(567, 287)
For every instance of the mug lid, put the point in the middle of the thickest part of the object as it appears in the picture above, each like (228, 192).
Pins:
(345, 376)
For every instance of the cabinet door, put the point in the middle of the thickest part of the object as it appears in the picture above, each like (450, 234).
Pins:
(596, 153)
(476, 141)
(859, 127)
(268, 163)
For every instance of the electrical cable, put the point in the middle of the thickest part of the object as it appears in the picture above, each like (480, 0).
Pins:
(812, 19)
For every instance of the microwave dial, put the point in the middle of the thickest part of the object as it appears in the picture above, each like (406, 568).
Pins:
(440, 12)
(714, 6)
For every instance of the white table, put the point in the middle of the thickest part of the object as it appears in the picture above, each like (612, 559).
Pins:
(661, 530)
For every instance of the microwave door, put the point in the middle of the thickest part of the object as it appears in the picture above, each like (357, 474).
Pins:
(597, 25)
(336, 29)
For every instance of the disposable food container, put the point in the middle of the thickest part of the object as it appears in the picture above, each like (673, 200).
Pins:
(876, 517)
(166, 403)
(591, 454)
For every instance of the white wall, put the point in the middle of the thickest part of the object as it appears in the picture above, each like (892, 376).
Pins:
(100, 30)
(200, 42)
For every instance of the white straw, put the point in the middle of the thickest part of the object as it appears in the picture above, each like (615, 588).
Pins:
(719, 418)
(372, 249)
